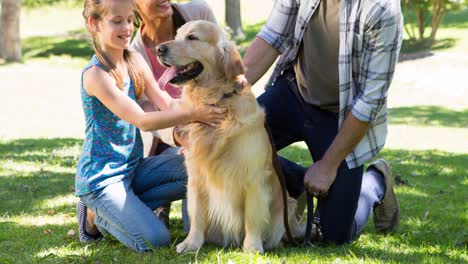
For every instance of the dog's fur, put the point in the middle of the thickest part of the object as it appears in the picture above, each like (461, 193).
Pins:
(233, 190)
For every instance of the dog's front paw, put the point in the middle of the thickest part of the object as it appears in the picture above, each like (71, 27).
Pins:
(189, 244)
(253, 246)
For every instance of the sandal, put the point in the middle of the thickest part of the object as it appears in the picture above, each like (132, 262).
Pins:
(81, 212)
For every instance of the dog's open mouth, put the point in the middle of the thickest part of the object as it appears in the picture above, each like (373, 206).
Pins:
(180, 74)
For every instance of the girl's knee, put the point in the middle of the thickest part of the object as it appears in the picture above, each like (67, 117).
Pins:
(157, 237)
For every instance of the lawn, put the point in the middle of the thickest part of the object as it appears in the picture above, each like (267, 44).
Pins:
(37, 204)
(38, 212)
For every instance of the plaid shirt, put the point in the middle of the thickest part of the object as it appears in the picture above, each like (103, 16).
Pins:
(370, 41)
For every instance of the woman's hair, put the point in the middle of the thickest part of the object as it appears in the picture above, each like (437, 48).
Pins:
(96, 9)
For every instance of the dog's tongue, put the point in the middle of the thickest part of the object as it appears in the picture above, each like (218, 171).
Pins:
(166, 77)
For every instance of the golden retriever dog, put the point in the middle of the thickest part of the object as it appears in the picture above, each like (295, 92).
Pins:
(233, 194)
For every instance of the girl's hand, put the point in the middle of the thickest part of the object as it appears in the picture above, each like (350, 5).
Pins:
(209, 115)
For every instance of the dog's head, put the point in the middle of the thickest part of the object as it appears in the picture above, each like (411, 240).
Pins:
(200, 52)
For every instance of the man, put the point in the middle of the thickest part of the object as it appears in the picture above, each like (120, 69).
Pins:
(329, 89)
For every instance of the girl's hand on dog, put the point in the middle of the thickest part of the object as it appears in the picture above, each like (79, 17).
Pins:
(210, 115)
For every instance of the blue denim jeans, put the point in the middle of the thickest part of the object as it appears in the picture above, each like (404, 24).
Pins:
(125, 209)
(291, 120)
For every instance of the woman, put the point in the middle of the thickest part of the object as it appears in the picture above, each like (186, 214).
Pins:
(159, 21)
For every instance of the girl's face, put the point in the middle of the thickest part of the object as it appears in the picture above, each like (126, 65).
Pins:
(154, 9)
(115, 29)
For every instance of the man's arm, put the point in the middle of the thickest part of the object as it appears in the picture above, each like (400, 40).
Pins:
(274, 38)
(258, 59)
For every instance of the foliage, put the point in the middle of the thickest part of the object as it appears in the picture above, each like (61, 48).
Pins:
(38, 3)
(421, 14)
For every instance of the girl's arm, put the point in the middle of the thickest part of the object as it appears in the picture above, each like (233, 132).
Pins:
(100, 84)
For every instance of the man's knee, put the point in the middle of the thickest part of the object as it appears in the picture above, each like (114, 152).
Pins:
(338, 236)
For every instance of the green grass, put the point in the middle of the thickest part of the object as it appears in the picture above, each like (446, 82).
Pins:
(74, 45)
(37, 211)
(428, 116)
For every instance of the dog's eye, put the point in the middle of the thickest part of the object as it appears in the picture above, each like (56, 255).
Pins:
(191, 37)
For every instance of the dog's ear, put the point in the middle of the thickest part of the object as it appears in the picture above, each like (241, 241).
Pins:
(240, 82)
(232, 60)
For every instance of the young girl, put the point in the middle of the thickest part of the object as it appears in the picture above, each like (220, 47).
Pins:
(117, 187)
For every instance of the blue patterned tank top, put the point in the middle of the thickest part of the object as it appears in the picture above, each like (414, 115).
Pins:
(112, 148)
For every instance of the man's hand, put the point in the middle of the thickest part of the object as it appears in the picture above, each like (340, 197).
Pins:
(319, 177)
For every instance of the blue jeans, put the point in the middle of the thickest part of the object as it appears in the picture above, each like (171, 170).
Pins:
(291, 120)
(125, 209)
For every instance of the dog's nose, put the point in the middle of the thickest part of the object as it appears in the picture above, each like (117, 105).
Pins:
(162, 49)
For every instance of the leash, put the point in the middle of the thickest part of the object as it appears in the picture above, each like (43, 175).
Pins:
(311, 219)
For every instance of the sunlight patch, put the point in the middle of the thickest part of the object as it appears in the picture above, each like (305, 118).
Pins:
(412, 191)
(71, 252)
(42, 220)
(57, 201)
(11, 168)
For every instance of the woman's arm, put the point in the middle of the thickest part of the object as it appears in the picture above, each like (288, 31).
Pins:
(160, 99)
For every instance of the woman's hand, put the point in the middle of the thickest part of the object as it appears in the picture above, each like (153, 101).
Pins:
(181, 137)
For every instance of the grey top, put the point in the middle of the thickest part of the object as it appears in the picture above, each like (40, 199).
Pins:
(317, 61)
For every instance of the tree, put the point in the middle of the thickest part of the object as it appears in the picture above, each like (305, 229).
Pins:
(1, 36)
(10, 30)
(427, 13)
(233, 18)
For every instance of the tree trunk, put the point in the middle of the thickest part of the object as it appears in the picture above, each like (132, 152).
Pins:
(408, 25)
(10, 22)
(2, 48)
(233, 17)
(420, 14)
(438, 14)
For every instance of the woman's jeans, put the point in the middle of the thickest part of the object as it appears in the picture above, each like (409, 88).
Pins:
(345, 210)
(125, 209)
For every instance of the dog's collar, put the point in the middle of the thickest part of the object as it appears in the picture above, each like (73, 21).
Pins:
(229, 95)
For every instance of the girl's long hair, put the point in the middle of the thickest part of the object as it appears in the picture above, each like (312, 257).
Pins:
(96, 9)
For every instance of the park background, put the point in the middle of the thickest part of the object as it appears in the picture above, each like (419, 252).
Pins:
(42, 126)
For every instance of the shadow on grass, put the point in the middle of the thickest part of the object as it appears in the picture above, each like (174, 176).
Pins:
(428, 116)
(40, 150)
(34, 169)
(432, 214)
(39, 243)
(72, 44)
(416, 46)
